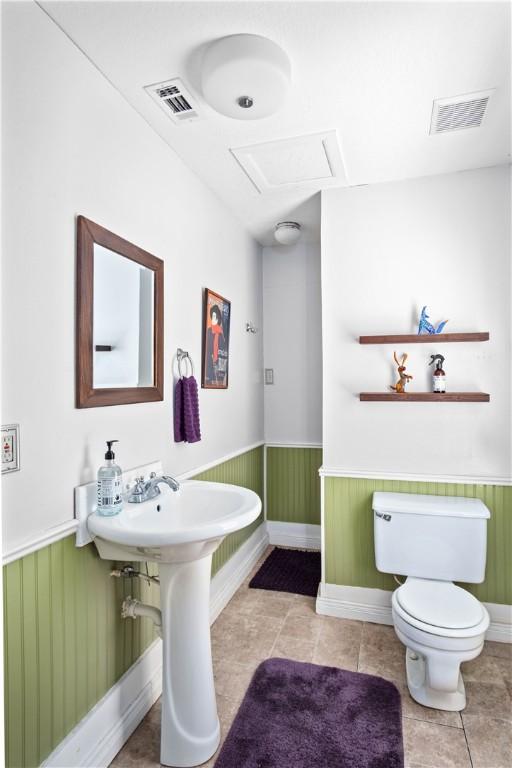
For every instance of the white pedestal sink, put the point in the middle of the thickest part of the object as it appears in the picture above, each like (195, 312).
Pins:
(180, 531)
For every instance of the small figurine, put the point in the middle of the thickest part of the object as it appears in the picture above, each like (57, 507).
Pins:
(404, 377)
(439, 376)
(425, 326)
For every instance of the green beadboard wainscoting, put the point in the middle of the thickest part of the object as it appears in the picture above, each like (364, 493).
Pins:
(349, 550)
(293, 484)
(65, 643)
(245, 470)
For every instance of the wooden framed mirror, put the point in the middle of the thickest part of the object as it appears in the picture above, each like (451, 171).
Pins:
(119, 321)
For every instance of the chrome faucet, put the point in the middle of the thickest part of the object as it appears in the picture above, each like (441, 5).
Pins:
(147, 490)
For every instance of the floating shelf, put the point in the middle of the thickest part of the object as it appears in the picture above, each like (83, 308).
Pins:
(426, 397)
(425, 338)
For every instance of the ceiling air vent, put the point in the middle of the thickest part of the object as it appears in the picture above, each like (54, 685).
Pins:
(458, 112)
(174, 99)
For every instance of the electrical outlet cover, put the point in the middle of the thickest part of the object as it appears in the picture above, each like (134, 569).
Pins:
(10, 448)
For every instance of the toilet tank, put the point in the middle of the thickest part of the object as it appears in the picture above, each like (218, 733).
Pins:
(430, 537)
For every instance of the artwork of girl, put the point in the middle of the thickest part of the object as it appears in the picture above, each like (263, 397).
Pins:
(216, 341)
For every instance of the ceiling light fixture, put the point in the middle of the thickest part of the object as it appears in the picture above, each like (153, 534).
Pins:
(245, 76)
(287, 232)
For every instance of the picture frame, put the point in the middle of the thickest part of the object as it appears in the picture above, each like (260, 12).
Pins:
(216, 329)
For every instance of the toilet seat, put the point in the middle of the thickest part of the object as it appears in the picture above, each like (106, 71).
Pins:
(440, 608)
(440, 603)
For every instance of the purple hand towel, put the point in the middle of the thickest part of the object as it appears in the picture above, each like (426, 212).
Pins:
(179, 431)
(191, 410)
(186, 411)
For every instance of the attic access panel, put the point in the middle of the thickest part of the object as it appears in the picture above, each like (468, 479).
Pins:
(313, 160)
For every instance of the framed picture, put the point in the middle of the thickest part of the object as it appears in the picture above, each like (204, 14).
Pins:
(216, 318)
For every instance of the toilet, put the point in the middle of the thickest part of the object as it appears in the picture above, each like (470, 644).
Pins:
(434, 541)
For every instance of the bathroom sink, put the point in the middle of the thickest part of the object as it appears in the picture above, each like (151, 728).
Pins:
(180, 530)
(176, 526)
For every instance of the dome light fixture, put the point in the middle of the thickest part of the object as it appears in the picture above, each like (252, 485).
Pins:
(287, 232)
(245, 76)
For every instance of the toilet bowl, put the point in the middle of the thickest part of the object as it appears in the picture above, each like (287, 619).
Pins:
(441, 625)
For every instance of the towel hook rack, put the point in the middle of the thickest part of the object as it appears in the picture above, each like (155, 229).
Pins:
(181, 354)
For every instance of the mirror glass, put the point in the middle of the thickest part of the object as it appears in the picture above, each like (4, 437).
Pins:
(123, 321)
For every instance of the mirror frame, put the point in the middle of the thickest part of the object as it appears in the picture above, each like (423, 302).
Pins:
(89, 233)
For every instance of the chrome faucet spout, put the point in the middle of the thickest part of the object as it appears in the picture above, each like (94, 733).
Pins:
(153, 489)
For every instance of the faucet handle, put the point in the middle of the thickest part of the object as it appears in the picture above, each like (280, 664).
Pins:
(152, 475)
(139, 484)
(137, 492)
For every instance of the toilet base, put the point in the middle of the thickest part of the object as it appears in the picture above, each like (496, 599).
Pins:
(417, 682)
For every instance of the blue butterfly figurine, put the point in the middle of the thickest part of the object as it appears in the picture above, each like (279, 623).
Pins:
(426, 327)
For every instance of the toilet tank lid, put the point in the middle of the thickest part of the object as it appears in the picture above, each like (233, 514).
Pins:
(425, 504)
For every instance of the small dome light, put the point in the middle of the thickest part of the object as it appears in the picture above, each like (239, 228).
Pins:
(287, 232)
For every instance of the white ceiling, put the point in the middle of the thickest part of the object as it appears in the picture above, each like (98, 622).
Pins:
(370, 71)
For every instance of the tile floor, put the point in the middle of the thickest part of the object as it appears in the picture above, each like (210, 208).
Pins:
(258, 624)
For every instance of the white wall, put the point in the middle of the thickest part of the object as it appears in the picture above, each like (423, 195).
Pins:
(293, 343)
(387, 249)
(72, 146)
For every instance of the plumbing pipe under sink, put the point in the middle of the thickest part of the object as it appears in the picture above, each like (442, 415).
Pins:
(129, 572)
(132, 608)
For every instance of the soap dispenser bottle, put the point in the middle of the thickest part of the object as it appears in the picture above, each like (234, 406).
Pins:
(110, 485)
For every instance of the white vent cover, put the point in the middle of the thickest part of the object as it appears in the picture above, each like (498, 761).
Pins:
(458, 112)
(174, 99)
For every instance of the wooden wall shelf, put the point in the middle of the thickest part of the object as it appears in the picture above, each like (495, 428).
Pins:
(426, 397)
(426, 338)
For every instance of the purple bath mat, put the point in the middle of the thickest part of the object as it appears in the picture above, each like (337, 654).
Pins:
(289, 570)
(297, 715)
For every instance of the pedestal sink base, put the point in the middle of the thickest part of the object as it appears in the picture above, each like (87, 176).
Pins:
(190, 725)
(180, 530)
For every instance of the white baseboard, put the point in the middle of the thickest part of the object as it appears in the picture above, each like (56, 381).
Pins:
(99, 736)
(227, 580)
(357, 603)
(375, 605)
(299, 535)
(500, 629)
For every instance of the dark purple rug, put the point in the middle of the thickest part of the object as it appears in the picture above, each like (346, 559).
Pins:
(289, 570)
(297, 715)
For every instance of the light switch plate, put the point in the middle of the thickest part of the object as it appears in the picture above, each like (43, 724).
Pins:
(10, 448)
(269, 375)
